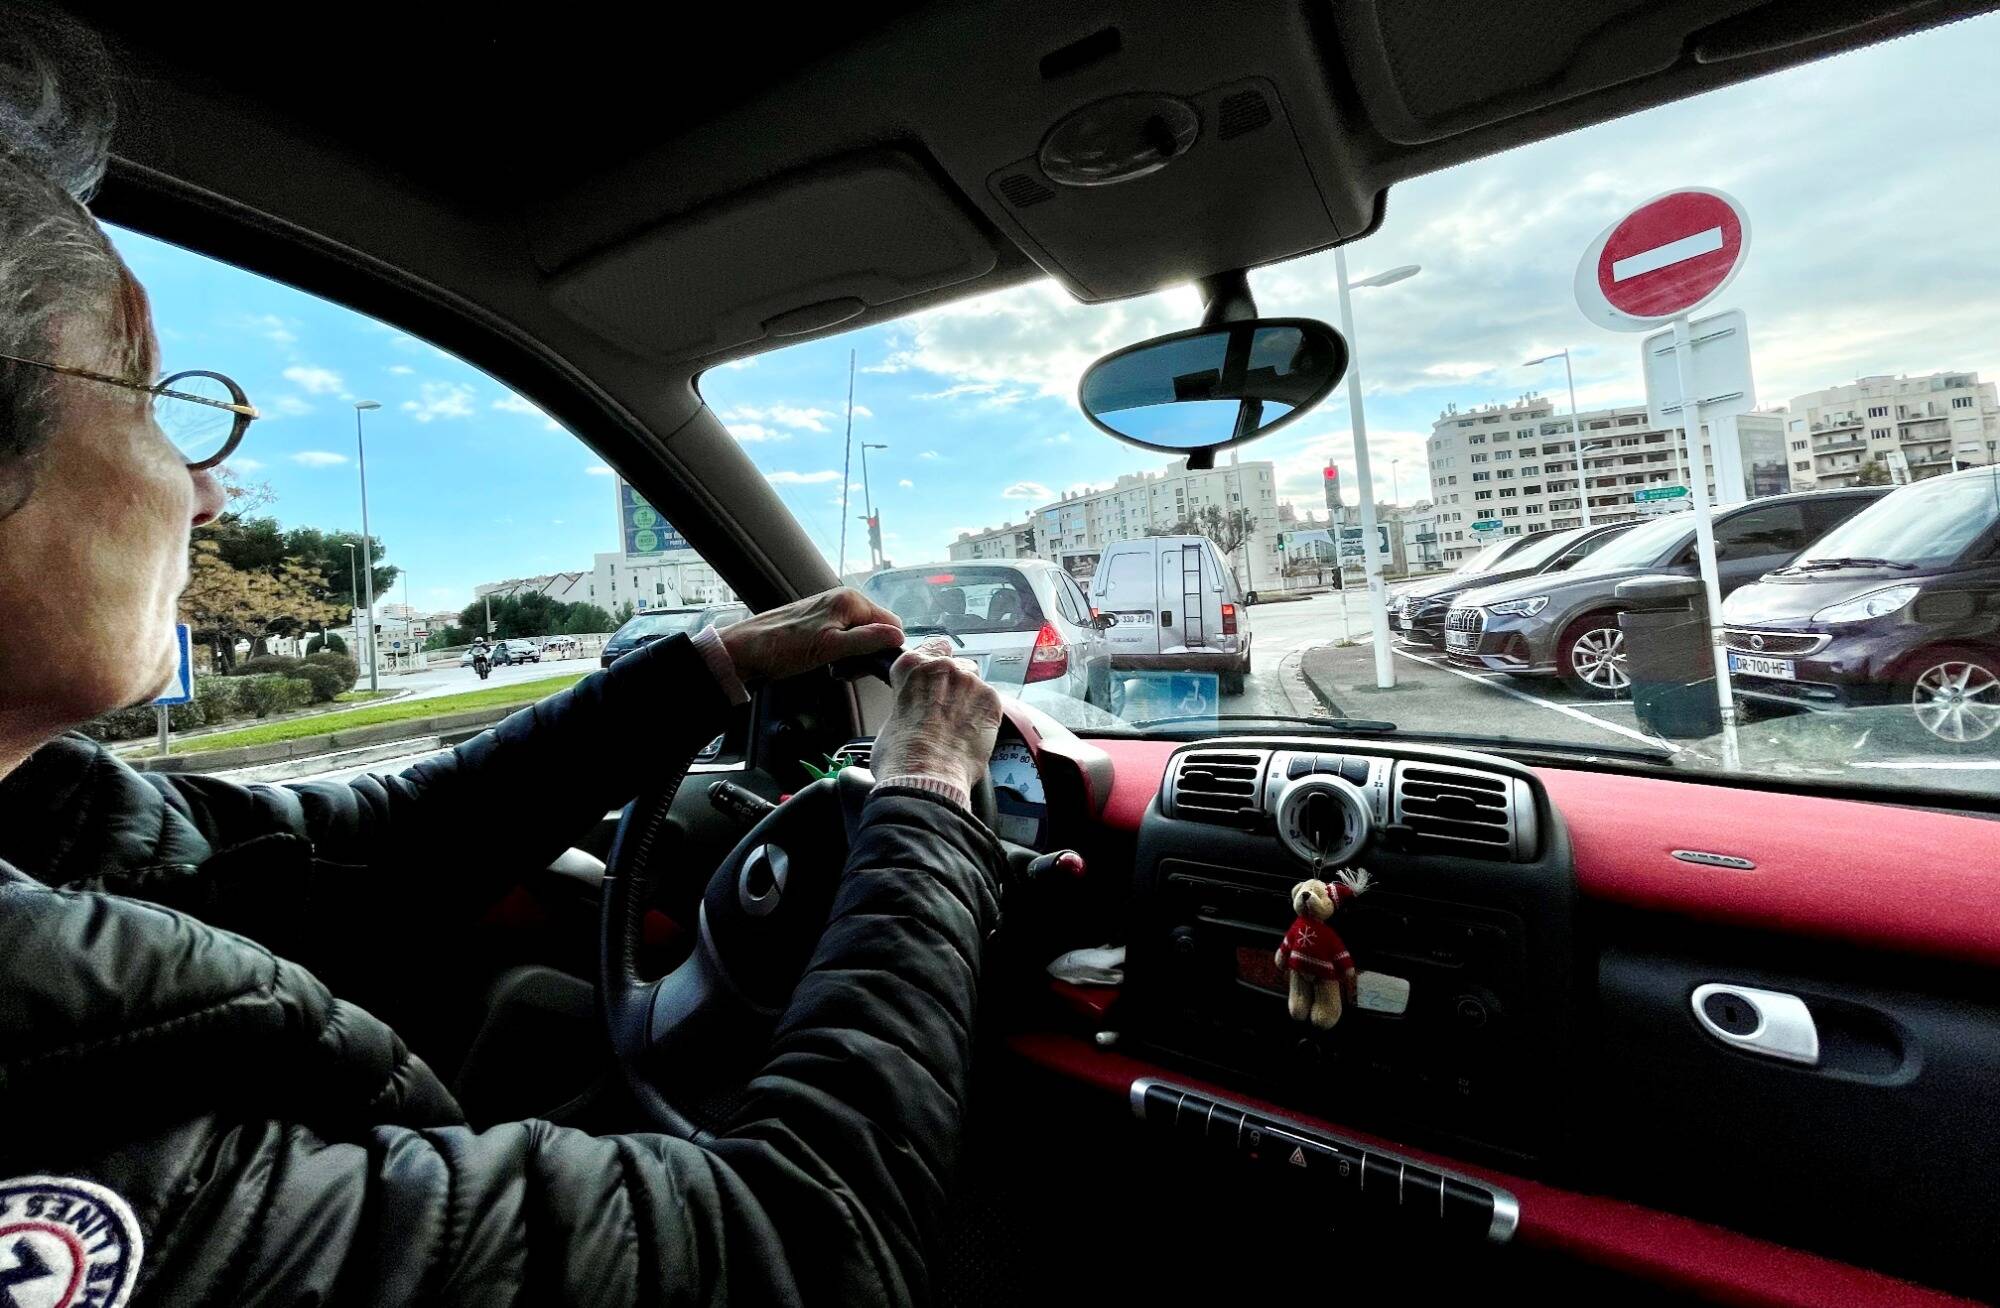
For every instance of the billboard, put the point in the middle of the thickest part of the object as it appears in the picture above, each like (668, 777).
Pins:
(642, 528)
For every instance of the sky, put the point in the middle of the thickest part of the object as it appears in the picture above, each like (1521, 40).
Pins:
(1870, 181)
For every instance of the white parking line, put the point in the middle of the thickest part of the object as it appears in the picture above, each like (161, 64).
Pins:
(1565, 709)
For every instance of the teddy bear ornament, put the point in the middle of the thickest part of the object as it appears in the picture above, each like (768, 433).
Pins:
(1321, 981)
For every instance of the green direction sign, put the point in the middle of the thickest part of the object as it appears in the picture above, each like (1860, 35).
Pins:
(1487, 524)
(1655, 493)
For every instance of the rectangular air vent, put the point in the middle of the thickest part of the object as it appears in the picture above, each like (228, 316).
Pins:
(1458, 810)
(1218, 785)
(855, 753)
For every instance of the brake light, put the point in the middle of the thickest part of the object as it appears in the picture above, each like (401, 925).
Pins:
(941, 578)
(1051, 656)
(1229, 619)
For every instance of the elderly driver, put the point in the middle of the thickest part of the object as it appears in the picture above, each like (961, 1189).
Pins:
(188, 1114)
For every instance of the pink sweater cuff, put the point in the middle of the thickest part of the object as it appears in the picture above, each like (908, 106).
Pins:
(708, 643)
(950, 790)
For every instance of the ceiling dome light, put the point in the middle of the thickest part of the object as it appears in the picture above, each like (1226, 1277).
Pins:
(1118, 139)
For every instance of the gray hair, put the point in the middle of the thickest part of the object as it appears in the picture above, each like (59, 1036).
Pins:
(57, 267)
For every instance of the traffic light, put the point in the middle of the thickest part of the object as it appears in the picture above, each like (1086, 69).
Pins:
(875, 533)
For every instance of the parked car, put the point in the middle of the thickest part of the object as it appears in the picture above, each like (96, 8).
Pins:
(1022, 622)
(561, 647)
(1173, 606)
(1418, 615)
(657, 624)
(1899, 605)
(1567, 625)
(522, 649)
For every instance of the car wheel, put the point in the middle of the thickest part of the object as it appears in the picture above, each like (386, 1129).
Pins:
(1955, 698)
(1592, 659)
(1233, 680)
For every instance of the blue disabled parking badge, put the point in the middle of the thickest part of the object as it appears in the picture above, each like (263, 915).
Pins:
(1151, 696)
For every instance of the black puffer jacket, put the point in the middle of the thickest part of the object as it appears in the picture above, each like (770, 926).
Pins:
(162, 1036)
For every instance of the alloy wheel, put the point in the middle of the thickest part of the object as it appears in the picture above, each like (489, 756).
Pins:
(1598, 656)
(1957, 701)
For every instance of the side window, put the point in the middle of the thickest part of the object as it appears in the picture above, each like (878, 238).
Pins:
(1077, 597)
(1824, 515)
(1778, 529)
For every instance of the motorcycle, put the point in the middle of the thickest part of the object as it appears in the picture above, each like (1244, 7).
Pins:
(481, 664)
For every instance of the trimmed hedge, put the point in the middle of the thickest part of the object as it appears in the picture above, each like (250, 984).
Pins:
(266, 694)
(331, 645)
(267, 665)
(330, 675)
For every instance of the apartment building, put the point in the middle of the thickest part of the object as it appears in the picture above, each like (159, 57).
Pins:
(1517, 464)
(1075, 529)
(1011, 540)
(1938, 422)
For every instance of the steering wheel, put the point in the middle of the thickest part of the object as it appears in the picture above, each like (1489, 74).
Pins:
(704, 1027)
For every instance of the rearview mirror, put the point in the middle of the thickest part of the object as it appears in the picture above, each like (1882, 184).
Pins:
(1213, 386)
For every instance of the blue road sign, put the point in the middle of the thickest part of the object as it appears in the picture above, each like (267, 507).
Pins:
(183, 687)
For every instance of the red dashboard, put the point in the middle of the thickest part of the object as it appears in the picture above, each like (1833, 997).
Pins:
(1870, 876)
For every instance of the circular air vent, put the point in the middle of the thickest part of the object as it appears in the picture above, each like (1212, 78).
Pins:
(1323, 819)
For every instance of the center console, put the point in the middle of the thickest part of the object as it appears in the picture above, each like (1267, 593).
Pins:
(1460, 1033)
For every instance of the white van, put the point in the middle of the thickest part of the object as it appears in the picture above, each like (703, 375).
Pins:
(1177, 608)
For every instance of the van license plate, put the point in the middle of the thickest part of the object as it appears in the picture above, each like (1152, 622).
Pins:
(1752, 666)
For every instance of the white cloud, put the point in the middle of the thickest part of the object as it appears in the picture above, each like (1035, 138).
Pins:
(598, 470)
(930, 454)
(739, 364)
(863, 411)
(750, 433)
(313, 379)
(286, 406)
(889, 366)
(1027, 490)
(247, 465)
(515, 404)
(907, 484)
(401, 369)
(272, 328)
(1060, 438)
(441, 400)
(789, 477)
(782, 415)
(318, 458)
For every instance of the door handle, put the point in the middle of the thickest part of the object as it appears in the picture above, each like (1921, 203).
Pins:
(1767, 1022)
(1166, 617)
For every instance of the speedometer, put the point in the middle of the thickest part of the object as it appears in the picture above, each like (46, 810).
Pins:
(1013, 769)
(1017, 794)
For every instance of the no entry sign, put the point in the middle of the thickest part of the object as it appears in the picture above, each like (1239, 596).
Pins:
(1663, 260)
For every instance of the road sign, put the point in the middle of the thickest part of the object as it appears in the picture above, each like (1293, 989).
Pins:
(1651, 493)
(1486, 525)
(1722, 381)
(1663, 260)
(183, 688)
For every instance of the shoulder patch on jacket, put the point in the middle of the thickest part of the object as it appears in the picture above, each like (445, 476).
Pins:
(66, 1243)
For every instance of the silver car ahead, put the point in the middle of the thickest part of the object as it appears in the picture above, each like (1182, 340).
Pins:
(1022, 622)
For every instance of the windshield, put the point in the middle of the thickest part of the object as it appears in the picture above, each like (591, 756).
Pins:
(1866, 360)
(1640, 547)
(659, 624)
(1485, 559)
(959, 600)
(1928, 525)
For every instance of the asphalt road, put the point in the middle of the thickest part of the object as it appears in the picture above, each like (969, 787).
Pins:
(455, 680)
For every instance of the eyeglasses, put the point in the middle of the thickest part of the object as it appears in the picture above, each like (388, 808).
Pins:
(205, 414)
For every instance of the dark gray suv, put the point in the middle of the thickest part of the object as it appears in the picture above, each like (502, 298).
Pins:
(1566, 624)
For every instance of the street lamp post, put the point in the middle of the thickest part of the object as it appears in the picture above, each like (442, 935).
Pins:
(1396, 480)
(868, 504)
(1575, 429)
(367, 540)
(1378, 597)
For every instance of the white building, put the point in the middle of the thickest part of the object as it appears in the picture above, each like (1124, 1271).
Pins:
(1075, 529)
(660, 581)
(563, 586)
(1011, 540)
(1517, 464)
(1936, 422)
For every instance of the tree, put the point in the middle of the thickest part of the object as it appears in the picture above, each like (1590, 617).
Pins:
(224, 603)
(587, 620)
(1228, 530)
(328, 551)
(1872, 474)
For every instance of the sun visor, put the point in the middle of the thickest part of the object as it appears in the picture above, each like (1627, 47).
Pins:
(801, 252)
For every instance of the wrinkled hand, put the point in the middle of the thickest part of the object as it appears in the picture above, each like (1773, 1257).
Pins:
(807, 633)
(943, 722)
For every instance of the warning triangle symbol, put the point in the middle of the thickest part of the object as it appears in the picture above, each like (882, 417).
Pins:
(1298, 1158)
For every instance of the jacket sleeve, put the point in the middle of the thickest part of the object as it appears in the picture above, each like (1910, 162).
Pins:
(823, 1190)
(443, 839)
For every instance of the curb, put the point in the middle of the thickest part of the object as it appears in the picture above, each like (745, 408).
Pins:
(469, 721)
(1324, 696)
